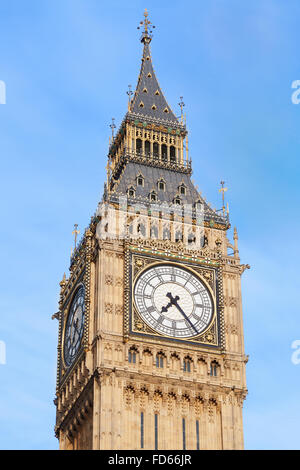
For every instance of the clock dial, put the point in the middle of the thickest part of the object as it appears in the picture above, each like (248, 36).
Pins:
(173, 301)
(74, 326)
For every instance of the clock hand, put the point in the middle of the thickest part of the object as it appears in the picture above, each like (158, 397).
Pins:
(174, 301)
(165, 309)
(74, 330)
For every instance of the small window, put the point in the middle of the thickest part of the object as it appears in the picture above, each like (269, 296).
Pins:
(141, 229)
(141, 105)
(157, 93)
(131, 192)
(182, 189)
(145, 90)
(153, 197)
(140, 181)
(132, 356)
(154, 107)
(161, 185)
(166, 234)
(166, 110)
(177, 201)
(214, 369)
(187, 365)
(191, 238)
(172, 154)
(178, 237)
(149, 75)
(159, 361)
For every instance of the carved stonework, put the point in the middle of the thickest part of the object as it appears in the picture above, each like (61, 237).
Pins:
(160, 328)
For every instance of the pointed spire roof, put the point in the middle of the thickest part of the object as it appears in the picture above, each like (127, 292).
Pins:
(149, 100)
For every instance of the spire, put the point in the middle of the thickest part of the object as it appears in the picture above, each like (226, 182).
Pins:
(148, 98)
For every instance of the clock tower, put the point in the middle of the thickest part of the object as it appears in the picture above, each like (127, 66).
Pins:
(150, 343)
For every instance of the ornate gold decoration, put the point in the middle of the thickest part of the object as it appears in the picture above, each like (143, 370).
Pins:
(136, 262)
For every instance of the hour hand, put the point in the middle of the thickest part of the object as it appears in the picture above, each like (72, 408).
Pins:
(173, 300)
(165, 309)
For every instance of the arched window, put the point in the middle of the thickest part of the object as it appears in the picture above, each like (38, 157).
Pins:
(166, 234)
(182, 189)
(159, 360)
(161, 185)
(154, 232)
(147, 147)
(164, 152)
(155, 150)
(140, 180)
(204, 241)
(172, 154)
(191, 238)
(138, 146)
(153, 196)
(178, 236)
(132, 356)
(187, 364)
(131, 192)
(214, 366)
(141, 229)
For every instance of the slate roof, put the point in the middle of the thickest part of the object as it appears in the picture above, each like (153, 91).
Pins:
(172, 179)
(153, 96)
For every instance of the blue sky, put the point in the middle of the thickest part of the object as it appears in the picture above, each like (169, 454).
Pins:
(67, 65)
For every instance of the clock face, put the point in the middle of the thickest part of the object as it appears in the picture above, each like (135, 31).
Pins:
(173, 301)
(74, 326)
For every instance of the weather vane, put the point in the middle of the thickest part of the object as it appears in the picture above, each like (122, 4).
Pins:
(147, 32)
(223, 190)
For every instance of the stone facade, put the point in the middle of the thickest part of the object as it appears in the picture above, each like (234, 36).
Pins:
(130, 387)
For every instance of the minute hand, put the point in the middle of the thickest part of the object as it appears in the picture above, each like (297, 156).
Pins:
(174, 302)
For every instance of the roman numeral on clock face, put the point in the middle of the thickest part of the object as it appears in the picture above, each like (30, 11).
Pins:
(171, 301)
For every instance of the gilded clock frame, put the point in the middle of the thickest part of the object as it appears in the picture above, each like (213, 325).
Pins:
(135, 326)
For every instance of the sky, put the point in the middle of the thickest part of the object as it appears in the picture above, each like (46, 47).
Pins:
(66, 65)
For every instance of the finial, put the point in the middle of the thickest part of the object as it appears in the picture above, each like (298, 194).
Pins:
(108, 173)
(112, 126)
(129, 93)
(147, 32)
(223, 190)
(75, 233)
(181, 104)
(63, 281)
(235, 238)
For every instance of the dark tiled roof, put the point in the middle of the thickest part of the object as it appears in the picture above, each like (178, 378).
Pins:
(152, 175)
(153, 96)
(172, 179)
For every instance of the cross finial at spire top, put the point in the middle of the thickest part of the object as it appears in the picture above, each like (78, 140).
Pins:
(147, 28)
